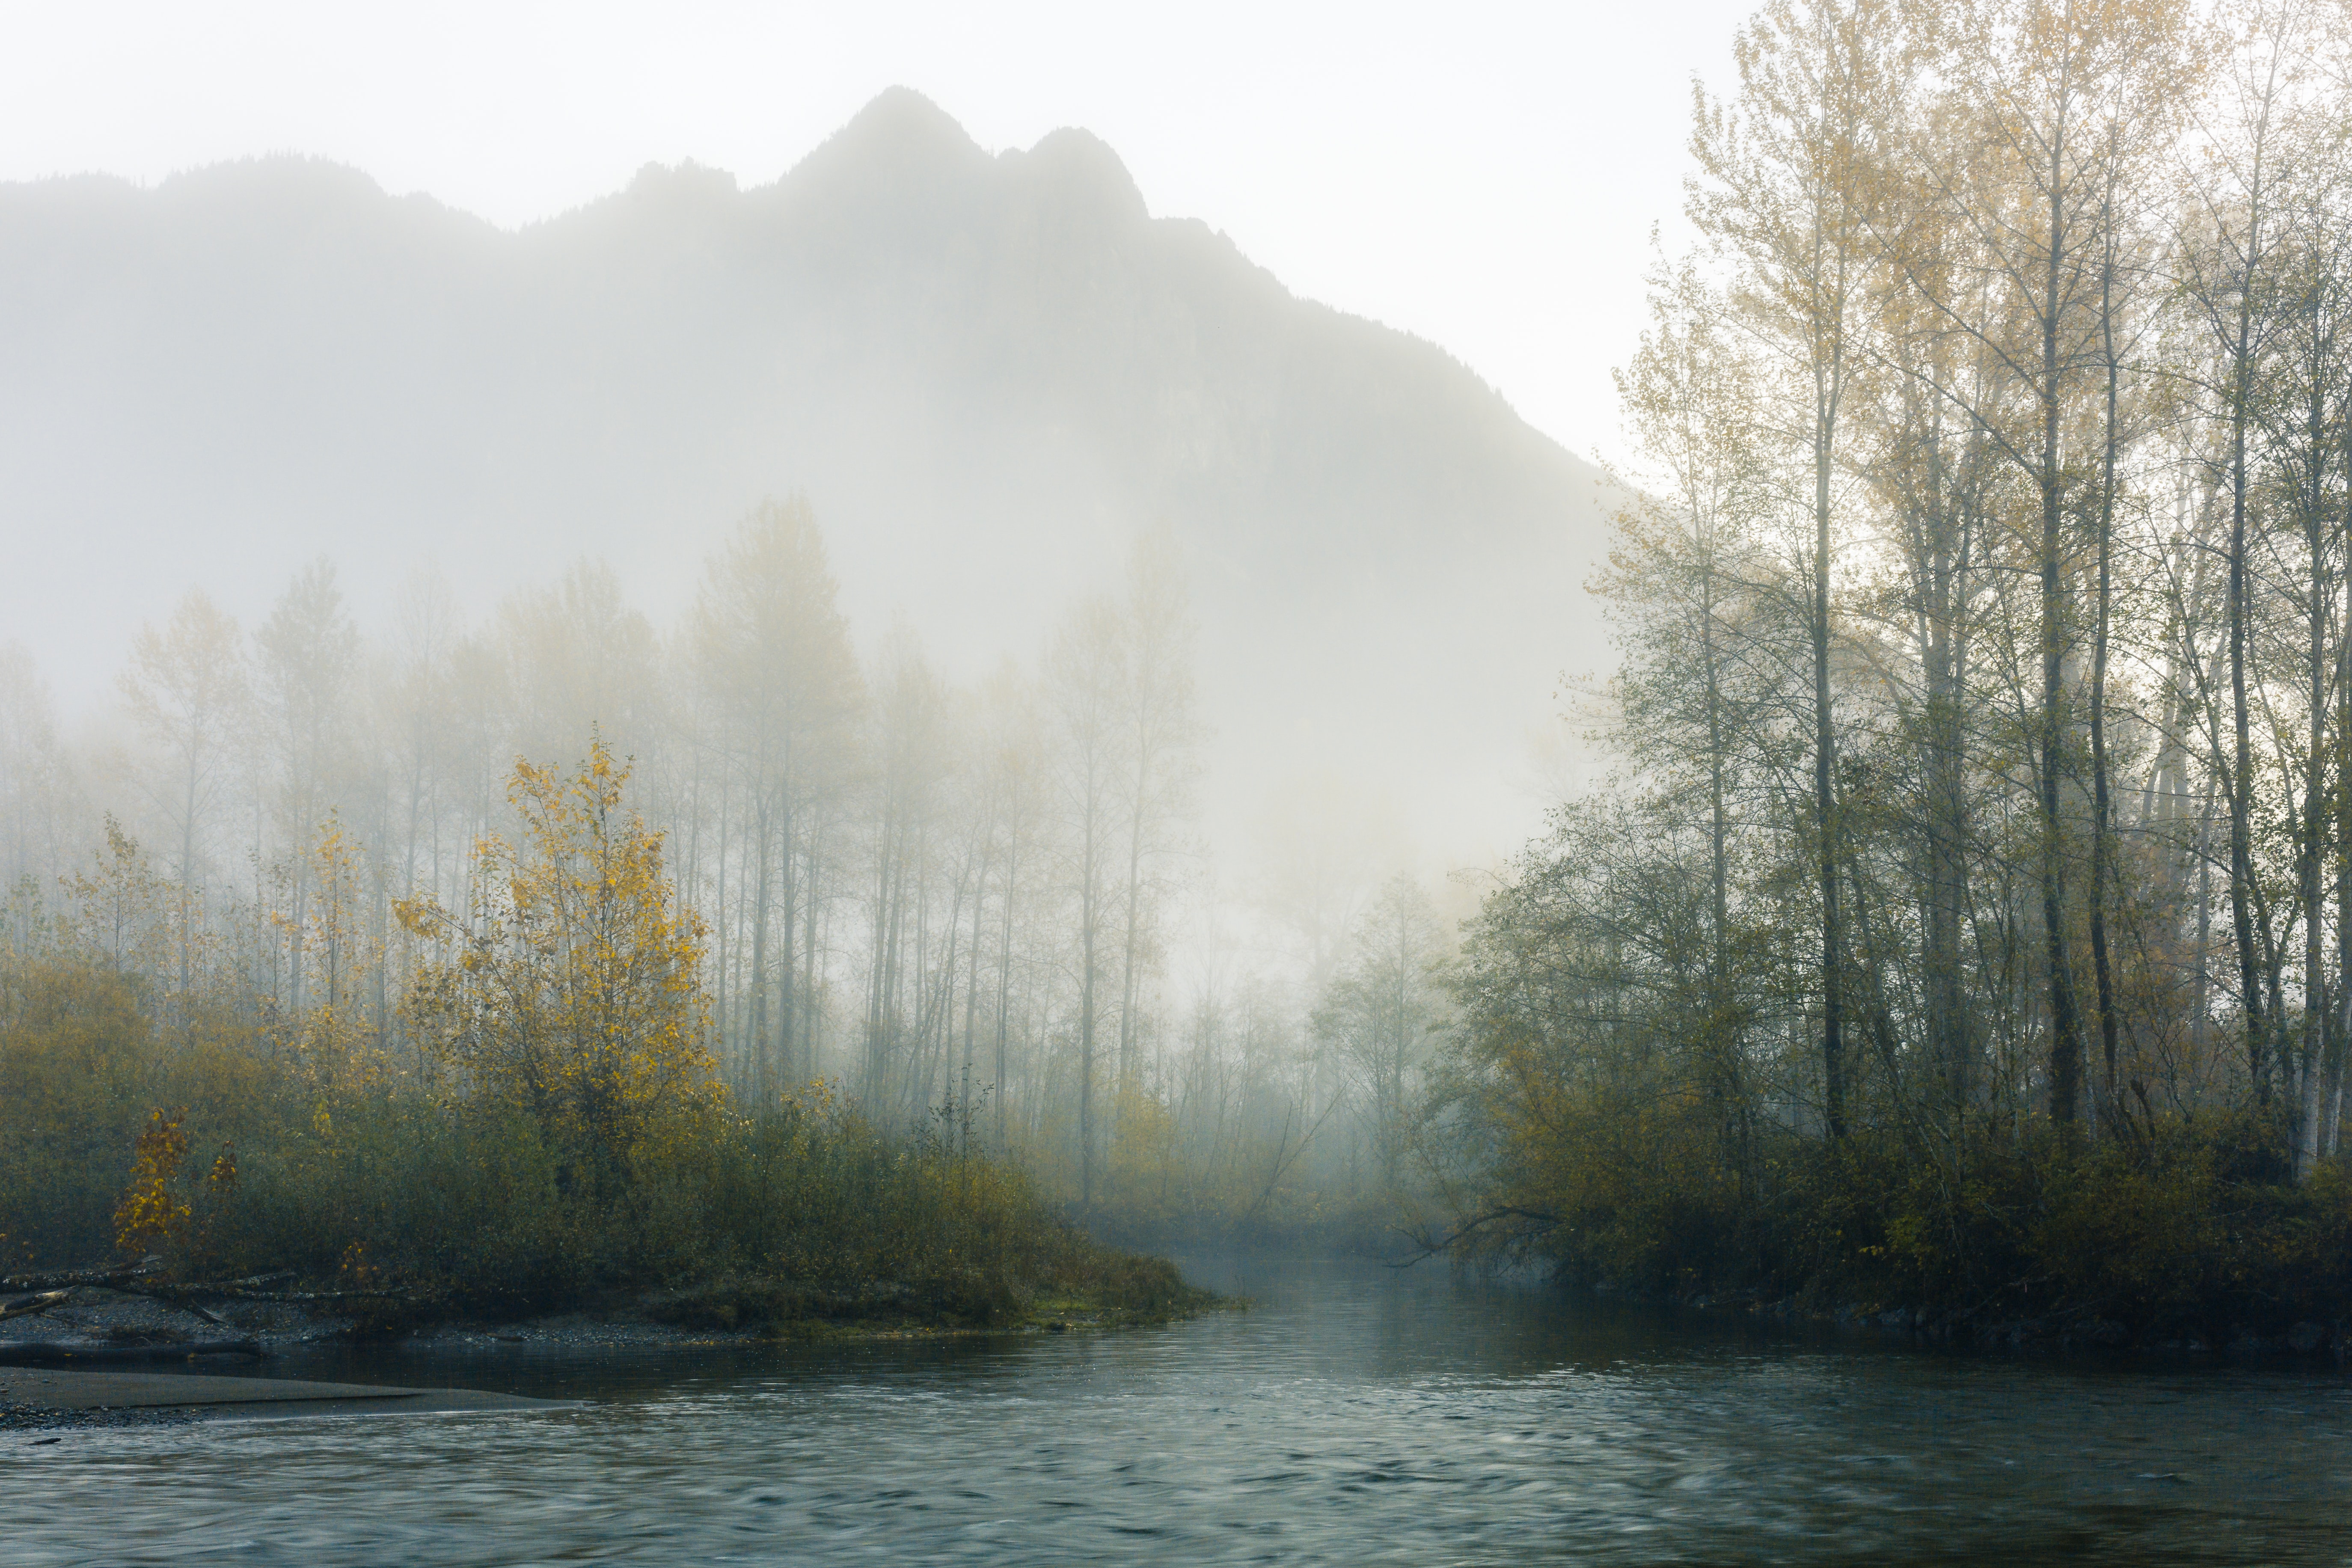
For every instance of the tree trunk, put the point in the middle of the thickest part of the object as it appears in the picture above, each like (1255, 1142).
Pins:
(1825, 774)
(756, 1028)
(2101, 809)
(2240, 771)
(2065, 1025)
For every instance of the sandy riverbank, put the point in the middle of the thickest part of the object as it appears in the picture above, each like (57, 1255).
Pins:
(49, 1397)
(94, 1318)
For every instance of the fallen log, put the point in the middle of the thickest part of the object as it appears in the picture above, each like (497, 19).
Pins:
(304, 1295)
(130, 1284)
(34, 1353)
(143, 1278)
(178, 1298)
(113, 1279)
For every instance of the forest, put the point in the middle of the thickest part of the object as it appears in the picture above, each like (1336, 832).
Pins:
(1967, 928)
(554, 951)
(1963, 926)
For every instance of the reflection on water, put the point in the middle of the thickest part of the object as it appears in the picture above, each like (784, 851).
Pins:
(1355, 1416)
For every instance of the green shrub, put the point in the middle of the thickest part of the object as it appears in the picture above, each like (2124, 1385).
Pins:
(375, 1184)
(2191, 1230)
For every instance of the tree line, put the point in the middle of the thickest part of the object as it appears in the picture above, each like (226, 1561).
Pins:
(948, 903)
(1985, 727)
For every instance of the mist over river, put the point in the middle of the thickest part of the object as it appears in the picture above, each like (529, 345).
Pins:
(1352, 1416)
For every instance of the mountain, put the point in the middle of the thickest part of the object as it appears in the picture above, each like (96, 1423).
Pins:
(987, 372)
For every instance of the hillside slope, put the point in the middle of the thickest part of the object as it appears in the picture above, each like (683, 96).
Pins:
(987, 372)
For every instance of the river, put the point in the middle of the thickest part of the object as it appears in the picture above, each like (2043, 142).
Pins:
(1353, 1415)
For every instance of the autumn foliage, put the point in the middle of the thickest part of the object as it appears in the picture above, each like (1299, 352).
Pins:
(1966, 924)
(570, 991)
(552, 1127)
(151, 1211)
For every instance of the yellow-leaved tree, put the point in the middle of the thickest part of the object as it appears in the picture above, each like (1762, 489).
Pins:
(571, 989)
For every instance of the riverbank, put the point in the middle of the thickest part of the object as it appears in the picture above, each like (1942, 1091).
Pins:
(580, 1157)
(157, 1320)
(2183, 1238)
(382, 1204)
(48, 1398)
(2060, 1332)
(103, 1357)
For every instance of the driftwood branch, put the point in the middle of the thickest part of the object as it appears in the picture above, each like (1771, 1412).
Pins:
(178, 1298)
(35, 1352)
(143, 1278)
(115, 1279)
(1429, 1248)
(25, 1306)
(234, 1293)
(140, 1280)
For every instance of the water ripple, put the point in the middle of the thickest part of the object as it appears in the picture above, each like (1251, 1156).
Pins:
(1352, 1416)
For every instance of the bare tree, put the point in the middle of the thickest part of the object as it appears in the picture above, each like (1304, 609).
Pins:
(1086, 684)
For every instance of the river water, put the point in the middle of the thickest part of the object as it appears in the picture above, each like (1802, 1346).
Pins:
(1353, 1415)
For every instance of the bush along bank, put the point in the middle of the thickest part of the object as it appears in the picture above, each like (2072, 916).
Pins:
(393, 1212)
(2192, 1238)
(545, 1129)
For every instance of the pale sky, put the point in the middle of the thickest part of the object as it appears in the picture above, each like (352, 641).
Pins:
(1484, 175)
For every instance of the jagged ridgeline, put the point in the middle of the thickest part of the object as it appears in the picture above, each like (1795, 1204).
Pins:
(987, 372)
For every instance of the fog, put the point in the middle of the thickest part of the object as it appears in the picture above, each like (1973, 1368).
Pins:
(815, 752)
(987, 374)
(1007, 601)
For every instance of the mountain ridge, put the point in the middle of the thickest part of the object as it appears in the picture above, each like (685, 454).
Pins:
(988, 371)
